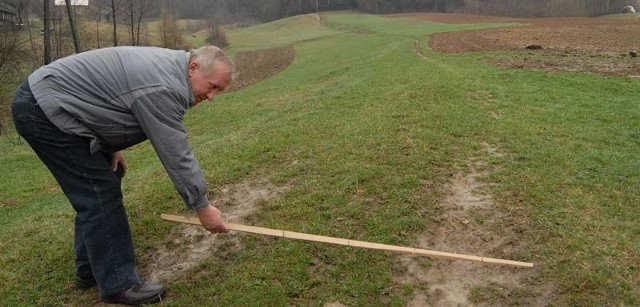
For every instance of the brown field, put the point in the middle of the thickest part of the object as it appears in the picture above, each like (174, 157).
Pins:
(604, 46)
(254, 66)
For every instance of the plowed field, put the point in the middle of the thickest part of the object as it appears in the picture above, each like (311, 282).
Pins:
(596, 45)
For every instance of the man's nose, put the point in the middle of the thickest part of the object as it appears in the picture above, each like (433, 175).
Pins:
(211, 94)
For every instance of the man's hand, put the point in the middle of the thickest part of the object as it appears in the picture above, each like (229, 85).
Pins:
(117, 158)
(211, 219)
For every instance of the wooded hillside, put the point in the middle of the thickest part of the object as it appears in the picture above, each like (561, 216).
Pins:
(273, 9)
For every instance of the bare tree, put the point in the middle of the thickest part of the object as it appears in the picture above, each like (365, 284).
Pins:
(171, 31)
(137, 11)
(97, 9)
(115, 7)
(115, 24)
(131, 26)
(72, 25)
(10, 60)
(47, 31)
(217, 35)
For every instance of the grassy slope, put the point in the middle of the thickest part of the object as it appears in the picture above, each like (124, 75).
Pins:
(366, 121)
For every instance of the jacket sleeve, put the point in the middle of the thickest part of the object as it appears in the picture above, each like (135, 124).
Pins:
(160, 116)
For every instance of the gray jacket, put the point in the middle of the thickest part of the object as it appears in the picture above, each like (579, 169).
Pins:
(121, 96)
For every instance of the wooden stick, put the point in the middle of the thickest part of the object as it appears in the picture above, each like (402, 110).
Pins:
(353, 243)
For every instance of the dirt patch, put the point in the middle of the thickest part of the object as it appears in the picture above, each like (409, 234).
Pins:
(8, 202)
(594, 45)
(255, 66)
(191, 244)
(334, 304)
(470, 221)
(417, 49)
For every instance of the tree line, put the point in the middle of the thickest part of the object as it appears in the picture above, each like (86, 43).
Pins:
(267, 10)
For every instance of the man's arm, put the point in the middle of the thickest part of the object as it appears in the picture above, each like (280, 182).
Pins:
(160, 117)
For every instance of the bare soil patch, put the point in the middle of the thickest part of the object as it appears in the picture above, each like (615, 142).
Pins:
(594, 45)
(470, 221)
(255, 66)
(191, 244)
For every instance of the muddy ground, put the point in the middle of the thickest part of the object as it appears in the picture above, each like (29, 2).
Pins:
(470, 220)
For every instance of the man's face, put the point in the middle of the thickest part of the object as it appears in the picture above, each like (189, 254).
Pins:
(207, 84)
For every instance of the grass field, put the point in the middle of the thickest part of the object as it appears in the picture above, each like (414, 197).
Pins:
(365, 134)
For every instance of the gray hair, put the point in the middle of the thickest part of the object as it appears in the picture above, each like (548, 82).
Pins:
(210, 56)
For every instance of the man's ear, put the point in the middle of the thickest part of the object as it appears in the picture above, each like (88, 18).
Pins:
(193, 66)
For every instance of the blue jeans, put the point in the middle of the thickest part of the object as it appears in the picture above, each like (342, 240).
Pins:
(103, 246)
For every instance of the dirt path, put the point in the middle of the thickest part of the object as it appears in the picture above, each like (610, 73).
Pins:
(470, 221)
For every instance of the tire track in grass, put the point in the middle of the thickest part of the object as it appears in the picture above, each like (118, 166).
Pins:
(417, 49)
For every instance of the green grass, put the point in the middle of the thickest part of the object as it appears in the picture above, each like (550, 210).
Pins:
(279, 33)
(621, 16)
(366, 122)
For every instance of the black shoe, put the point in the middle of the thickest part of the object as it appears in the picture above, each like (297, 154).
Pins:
(141, 293)
(84, 284)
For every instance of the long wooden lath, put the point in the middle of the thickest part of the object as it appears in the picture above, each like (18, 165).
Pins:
(353, 243)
